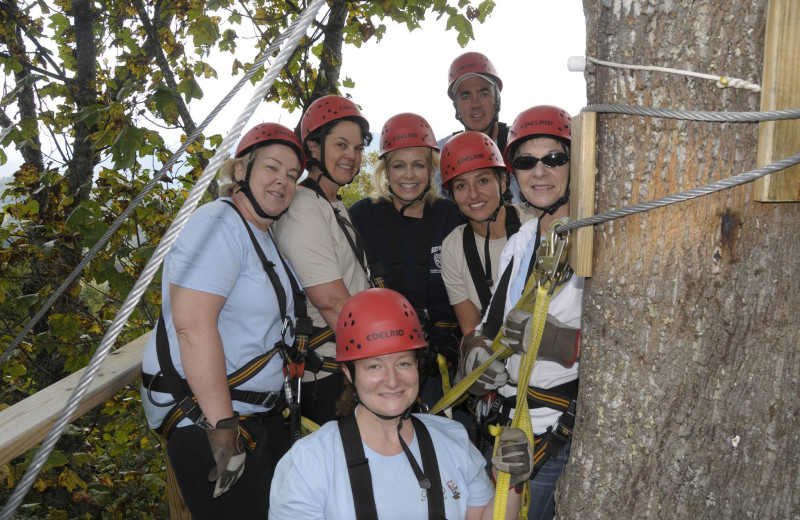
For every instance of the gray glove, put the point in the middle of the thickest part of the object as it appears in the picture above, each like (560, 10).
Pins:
(476, 349)
(560, 343)
(228, 453)
(514, 456)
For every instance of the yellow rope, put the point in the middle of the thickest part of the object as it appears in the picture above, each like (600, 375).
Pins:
(522, 417)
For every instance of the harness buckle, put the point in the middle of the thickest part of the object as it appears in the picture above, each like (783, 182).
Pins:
(271, 399)
(565, 424)
(287, 326)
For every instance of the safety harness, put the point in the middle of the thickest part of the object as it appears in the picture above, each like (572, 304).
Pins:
(184, 402)
(437, 358)
(482, 277)
(361, 478)
(549, 275)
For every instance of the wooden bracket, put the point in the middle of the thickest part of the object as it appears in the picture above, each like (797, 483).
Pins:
(582, 173)
(780, 89)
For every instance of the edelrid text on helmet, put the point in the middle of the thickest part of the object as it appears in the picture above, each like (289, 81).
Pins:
(471, 63)
(406, 130)
(375, 322)
(326, 110)
(542, 120)
(466, 152)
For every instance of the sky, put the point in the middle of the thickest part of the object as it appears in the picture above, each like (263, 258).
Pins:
(528, 41)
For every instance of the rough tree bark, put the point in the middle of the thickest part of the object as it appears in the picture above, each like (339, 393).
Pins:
(690, 371)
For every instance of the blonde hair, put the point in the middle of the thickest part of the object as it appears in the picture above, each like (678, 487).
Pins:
(226, 174)
(380, 179)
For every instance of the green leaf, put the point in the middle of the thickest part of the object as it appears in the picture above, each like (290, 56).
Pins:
(90, 115)
(203, 31)
(190, 88)
(26, 300)
(153, 482)
(126, 147)
(64, 326)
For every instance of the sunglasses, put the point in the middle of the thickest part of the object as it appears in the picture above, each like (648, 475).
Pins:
(551, 160)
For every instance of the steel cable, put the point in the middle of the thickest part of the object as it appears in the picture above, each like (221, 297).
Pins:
(153, 265)
(742, 178)
(696, 115)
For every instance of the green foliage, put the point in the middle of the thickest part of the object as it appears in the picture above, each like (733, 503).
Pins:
(362, 185)
(92, 138)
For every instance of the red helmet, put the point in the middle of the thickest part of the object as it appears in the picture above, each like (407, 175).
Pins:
(542, 120)
(406, 131)
(271, 133)
(375, 322)
(327, 109)
(466, 152)
(474, 63)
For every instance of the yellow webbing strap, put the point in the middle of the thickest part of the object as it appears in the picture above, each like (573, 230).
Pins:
(522, 417)
(500, 351)
(308, 425)
(442, 362)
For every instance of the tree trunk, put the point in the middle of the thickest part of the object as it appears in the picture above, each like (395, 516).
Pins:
(690, 371)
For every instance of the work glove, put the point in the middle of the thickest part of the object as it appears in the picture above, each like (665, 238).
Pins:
(228, 451)
(514, 456)
(476, 349)
(560, 343)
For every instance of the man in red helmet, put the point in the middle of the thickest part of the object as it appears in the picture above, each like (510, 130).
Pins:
(474, 86)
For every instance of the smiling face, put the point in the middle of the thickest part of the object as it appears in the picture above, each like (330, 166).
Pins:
(542, 186)
(273, 178)
(387, 384)
(475, 103)
(409, 173)
(344, 144)
(477, 193)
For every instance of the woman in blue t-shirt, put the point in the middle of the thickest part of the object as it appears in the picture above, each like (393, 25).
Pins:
(212, 371)
(380, 460)
(403, 225)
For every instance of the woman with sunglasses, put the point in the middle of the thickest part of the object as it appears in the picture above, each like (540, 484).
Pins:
(475, 177)
(538, 154)
(380, 460)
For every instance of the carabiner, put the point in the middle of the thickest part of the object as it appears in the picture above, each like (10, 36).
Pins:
(552, 256)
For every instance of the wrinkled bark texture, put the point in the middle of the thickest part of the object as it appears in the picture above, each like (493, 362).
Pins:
(690, 371)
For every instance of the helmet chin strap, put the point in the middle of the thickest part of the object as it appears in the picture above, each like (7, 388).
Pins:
(492, 218)
(311, 162)
(244, 187)
(408, 203)
(554, 206)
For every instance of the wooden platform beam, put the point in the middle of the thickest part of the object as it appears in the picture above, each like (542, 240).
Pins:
(581, 205)
(27, 423)
(780, 89)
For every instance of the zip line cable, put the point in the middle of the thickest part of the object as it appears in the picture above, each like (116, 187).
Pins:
(146, 190)
(696, 115)
(742, 178)
(154, 263)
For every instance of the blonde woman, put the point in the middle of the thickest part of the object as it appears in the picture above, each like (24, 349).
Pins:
(403, 225)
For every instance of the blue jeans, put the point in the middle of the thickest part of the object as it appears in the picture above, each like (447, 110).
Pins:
(543, 486)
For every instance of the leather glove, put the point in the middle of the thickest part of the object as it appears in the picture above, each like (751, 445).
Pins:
(228, 452)
(476, 349)
(514, 456)
(560, 343)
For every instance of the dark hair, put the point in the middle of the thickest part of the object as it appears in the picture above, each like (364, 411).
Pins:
(318, 134)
